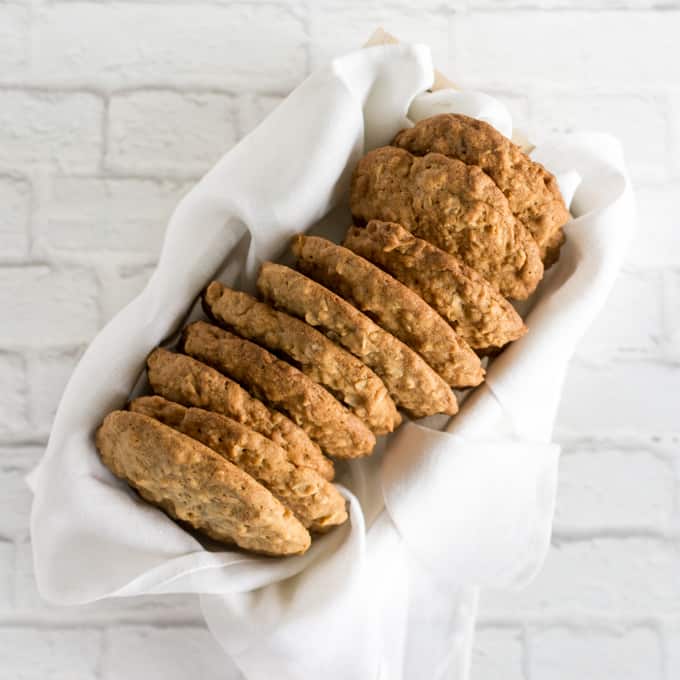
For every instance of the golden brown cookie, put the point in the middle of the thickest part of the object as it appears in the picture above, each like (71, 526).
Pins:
(532, 192)
(323, 361)
(454, 206)
(194, 484)
(315, 501)
(326, 421)
(392, 305)
(414, 386)
(182, 379)
(476, 310)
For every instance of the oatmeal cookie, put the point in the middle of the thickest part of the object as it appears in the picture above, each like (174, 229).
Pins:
(532, 192)
(327, 422)
(314, 500)
(362, 391)
(413, 385)
(182, 379)
(194, 484)
(392, 305)
(454, 206)
(474, 308)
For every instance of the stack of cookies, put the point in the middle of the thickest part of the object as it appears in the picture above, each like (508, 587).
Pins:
(451, 221)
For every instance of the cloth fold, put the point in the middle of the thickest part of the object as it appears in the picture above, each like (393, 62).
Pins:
(440, 510)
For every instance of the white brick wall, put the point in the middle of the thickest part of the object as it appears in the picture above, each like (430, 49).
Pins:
(50, 654)
(167, 133)
(563, 652)
(15, 197)
(234, 46)
(94, 213)
(46, 128)
(498, 654)
(108, 111)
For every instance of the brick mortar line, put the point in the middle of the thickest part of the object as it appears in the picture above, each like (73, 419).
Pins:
(56, 86)
(188, 89)
(459, 5)
(102, 660)
(172, 3)
(653, 441)
(105, 124)
(578, 620)
(23, 86)
(595, 362)
(40, 188)
(595, 8)
(658, 441)
(661, 451)
(525, 659)
(99, 174)
(586, 363)
(101, 623)
(567, 536)
(94, 258)
(528, 88)
(63, 259)
(663, 352)
(640, 270)
(114, 171)
(531, 87)
(665, 653)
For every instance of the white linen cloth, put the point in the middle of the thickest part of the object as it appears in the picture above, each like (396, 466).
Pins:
(433, 516)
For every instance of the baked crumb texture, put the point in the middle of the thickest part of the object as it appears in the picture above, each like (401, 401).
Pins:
(451, 221)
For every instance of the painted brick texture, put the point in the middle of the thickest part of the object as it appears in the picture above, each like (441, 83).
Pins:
(110, 110)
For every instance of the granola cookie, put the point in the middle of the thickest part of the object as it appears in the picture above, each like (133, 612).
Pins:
(532, 192)
(314, 500)
(393, 306)
(413, 385)
(187, 381)
(194, 484)
(327, 422)
(454, 206)
(476, 310)
(323, 361)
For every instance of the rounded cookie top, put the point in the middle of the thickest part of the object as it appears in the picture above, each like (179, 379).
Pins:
(532, 192)
(187, 381)
(194, 484)
(475, 308)
(392, 305)
(454, 206)
(328, 423)
(314, 500)
(411, 382)
(323, 361)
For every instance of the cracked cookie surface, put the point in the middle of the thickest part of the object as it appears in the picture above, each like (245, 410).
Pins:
(412, 383)
(325, 420)
(392, 305)
(314, 500)
(188, 381)
(454, 206)
(475, 308)
(325, 362)
(192, 483)
(532, 192)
